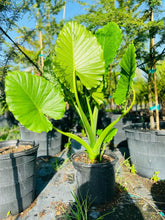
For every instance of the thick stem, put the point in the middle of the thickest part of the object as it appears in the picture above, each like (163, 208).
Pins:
(82, 115)
(110, 126)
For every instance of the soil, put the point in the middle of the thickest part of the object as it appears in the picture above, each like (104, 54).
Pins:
(83, 158)
(14, 149)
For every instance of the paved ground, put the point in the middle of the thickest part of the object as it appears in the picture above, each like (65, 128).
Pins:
(55, 182)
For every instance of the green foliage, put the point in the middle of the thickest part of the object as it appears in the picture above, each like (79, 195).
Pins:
(68, 56)
(129, 166)
(9, 133)
(10, 14)
(141, 88)
(9, 213)
(109, 136)
(81, 209)
(30, 98)
(110, 38)
(68, 144)
(74, 54)
(43, 13)
(133, 18)
(133, 170)
(161, 81)
(155, 176)
(155, 3)
(128, 65)
(80, 66)
(49, 71)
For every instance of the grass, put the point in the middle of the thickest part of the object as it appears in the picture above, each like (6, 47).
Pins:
(81, 209)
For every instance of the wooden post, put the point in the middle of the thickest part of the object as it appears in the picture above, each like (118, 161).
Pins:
(41, 58)
(152, 66)
(41, 54)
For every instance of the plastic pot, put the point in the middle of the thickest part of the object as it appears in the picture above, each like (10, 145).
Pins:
(17, 178)
(147, 149)
(96, 182)
(49, 143)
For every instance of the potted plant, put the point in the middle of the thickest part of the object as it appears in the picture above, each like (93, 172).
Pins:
(17, 176)
(80, 63)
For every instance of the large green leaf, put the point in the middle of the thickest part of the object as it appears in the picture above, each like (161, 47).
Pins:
(110, 37)
(98, 95)
(77, 50)
(128, 65)
(32, 99)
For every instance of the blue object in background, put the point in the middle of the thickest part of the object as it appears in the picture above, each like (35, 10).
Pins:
(155, 107)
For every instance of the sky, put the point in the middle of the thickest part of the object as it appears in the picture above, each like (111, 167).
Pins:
(72, 9)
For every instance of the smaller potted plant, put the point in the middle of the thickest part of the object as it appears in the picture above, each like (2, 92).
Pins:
(80, 63)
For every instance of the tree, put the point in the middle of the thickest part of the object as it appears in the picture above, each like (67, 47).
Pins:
(10, 12)
(125, 14)
(141, 89)
(137, 26)
(43, 13)
(160, 84)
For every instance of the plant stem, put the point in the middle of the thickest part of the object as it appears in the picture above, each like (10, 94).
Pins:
(84, 119)
(109, 127)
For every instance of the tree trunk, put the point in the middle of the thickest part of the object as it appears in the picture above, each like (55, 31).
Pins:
(156, 102)
(152, 65)
(41, 54)
(151, 115)
(41, 58)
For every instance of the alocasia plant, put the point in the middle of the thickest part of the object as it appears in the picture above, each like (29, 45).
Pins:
(80, 63)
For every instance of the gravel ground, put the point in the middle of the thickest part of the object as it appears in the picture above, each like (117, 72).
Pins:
(136, 197)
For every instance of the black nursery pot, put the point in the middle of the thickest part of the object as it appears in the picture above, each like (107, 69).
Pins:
(49, 143)
(147, 149)
(17, 178)
(96, 182)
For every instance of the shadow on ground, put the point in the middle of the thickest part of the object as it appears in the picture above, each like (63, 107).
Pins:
(45, 170)
(158, 195)
(123, 148)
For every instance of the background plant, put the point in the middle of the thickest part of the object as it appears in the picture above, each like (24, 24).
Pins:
(9, 133)
(135, 18)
